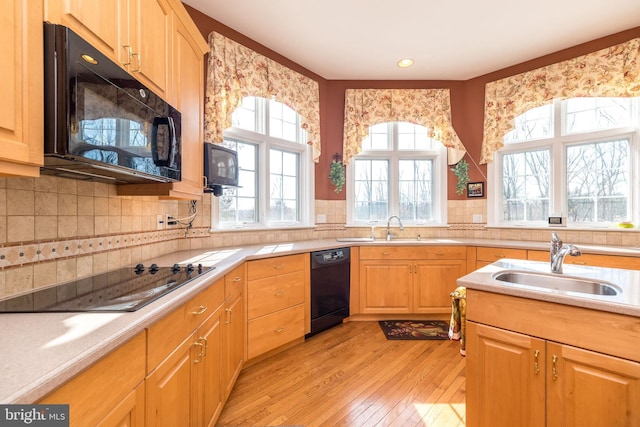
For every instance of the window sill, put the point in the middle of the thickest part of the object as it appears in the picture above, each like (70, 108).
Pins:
(282, 228)
(568, 227)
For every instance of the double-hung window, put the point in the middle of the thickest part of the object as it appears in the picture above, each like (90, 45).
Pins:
(576, 158)
(400, 171)
(275, 169)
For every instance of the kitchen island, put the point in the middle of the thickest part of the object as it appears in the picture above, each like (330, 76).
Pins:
(540, 356)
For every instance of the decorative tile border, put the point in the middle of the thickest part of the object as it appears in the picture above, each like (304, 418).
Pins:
(21, 255)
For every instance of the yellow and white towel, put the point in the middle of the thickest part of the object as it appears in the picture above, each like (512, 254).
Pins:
(457, 326)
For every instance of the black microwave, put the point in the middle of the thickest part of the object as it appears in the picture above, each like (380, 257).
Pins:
(102, 124)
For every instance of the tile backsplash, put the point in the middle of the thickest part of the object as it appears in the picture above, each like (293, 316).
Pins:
(55, 229)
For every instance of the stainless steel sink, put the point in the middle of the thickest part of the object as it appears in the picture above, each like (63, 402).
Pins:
(561, 283)
(354, 239)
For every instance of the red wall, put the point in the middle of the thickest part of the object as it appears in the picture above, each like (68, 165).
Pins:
(467, 98)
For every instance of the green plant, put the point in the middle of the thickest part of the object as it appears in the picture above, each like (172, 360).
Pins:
(461, 170)
(336, 174)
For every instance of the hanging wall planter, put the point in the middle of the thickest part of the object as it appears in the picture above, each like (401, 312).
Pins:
(336, 174)
(461, 170)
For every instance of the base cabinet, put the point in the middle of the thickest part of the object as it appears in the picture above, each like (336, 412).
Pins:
(183, 384)
(96, 398)
(234, 335)
(398, 280)
(515, 378)
(275, 302)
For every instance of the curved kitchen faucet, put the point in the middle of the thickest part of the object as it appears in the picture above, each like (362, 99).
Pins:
(389, 225)
(559, 251)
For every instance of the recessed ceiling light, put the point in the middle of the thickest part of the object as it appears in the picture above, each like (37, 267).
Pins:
(406, 62)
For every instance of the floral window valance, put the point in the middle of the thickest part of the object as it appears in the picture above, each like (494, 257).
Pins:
(235, 71)
(610, 72)
(426, 107)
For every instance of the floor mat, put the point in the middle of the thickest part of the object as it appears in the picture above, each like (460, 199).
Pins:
(415, 329)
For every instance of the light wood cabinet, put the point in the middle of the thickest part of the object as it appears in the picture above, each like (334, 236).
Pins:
(187, 96)
(21, 89)
(488, 255)
(409, 279)
(95, 398)
(275, 302)
(135, 34)
(610, 261)
(234, 335)
(157, 42)
(534, 373)
(184, 363)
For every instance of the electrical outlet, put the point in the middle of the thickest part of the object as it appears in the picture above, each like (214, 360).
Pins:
(167, 218)
(477, 218)
(161, 223)
(321, 219)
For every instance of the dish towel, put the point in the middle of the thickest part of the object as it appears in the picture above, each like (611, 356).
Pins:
(457, 326)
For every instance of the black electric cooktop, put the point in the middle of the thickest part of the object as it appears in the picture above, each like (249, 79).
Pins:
(125, 289)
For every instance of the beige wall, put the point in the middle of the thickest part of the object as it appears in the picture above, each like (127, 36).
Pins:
(54, 230)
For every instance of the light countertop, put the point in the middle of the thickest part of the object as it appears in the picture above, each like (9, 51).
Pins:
(41, 351)
(626, 282)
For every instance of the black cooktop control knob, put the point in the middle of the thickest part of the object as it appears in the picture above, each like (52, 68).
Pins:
(139, 269)
(176, 268)
(153, 268)
(189, 268)
(199, 268)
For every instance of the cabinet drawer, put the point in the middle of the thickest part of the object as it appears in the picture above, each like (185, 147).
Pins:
(276, 329)
(166, 334)
(270, 267)
(494, 254)
(413, 252)
(275, 293)
(234, 281)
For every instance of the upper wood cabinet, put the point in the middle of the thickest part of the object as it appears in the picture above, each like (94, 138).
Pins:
(157, 42)
(21, 89)
(188, 82)
(136, 34)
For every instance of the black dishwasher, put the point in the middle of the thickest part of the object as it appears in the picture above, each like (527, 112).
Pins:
(330, 272)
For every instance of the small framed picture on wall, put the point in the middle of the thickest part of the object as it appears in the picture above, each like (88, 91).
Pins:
(475, 189)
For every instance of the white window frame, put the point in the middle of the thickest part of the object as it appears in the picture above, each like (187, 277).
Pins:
(265, 142)
(557, 146)
(439, 156)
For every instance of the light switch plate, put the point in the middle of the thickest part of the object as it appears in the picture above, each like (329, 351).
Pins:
(477, 218)
(321, 219)
(160, 223)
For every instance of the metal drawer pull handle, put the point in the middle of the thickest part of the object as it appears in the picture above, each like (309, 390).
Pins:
(439, 253)
(137, 55)
(230, 316)
(278, 266)
(554, 368)
(200, 355)
(580, 262)
(536, 366)
(500, 256)
(386, 253)
(129, 52)
(237, 279)
(279, 330)
(200, 310)
(279, 294)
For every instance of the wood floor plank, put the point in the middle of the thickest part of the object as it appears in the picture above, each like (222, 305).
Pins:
(352, 376)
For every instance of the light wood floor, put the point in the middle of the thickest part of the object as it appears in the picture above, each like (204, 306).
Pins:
(352, 376)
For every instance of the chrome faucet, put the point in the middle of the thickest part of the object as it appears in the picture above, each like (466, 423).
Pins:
(559, 251)
(389, 225)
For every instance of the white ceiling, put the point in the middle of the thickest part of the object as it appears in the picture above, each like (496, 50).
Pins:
(448, 39)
